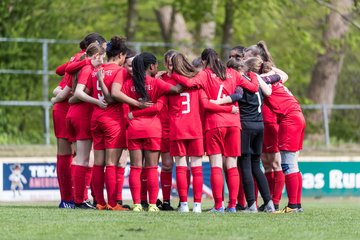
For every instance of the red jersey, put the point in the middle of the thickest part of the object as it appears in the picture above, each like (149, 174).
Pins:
(281, 101)
(82, 109)
(146, 126)
(184, 112)
(164, 112)
(216, 88)
(112, 73)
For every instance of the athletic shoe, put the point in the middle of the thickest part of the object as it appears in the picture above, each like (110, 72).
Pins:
(120, 202)
(300, 210)
(239, 207)
(144, 205)
(67, 204)
(251, 209)
(138, 208)
(287, 210)
(269, 207)
(117, 208)
(197, 208)
(158, 202)
(165, 206)
(184, 207)
(219, 210)
(231, 210)
(100, 207)
(276, 206)
(84, 205)
(153, 208)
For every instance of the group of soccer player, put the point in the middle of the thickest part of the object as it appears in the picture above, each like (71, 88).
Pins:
(238, 114)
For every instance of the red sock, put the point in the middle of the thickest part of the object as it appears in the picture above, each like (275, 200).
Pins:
(182, 182)
(279, 182)
(153, 183)
(188, 177)
(119, 182)
(292, 185)
(217, 184)
(233, 185)
(98, 184)
(197, 183)
(87, 182)
(135, 183)
(256, 189)
(299, 192)
(63, 170)
(241, 195)
(110, 183)
(270, 179)
(166, 182)
(72, 169)
(79, 183)
(144, 180)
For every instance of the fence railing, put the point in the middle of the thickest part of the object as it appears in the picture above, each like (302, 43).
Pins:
(46, 104)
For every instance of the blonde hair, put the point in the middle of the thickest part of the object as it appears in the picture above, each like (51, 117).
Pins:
(182, 66)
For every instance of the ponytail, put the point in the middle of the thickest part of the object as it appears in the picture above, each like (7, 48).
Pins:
(140, 64)
(212, 60)
(264, 52)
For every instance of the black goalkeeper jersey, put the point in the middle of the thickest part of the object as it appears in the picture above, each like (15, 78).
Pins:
(250, 106)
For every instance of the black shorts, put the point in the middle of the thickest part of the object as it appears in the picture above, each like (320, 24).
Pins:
(252, 135)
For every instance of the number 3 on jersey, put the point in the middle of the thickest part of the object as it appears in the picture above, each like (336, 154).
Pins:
(186, 103)
(100, 94)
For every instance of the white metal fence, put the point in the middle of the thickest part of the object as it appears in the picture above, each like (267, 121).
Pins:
(45, 72)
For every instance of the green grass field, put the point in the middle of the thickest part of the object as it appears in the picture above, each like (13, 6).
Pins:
(323, 219)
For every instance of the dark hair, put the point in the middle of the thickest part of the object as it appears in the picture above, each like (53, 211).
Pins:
(260, 50)
(182, 66)
(139, 65)
(82, 44)
(212, 60)
(240, 50)
(93, 37)
(116, 46)
(197, 62)
(130, 53)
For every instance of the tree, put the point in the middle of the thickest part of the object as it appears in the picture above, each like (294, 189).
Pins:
(131, 20)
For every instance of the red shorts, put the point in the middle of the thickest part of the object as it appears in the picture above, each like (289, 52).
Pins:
(108, 133)
(59, 119)
(152, 144)
(268, 115)
(291, 131)
(78, 128)
(165, 145)
(223, 140)
(187, 147)
(271, 138)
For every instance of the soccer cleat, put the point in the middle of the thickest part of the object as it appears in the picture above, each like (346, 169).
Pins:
(239, 207)
(165, 206)
(251, 209)
(231, 210)
(184, 207)
(300, 210)
(117, 208)
(67, 204)
(287, 210)
(138, 208)
(120, 202)
(219, 210)
(276, 206)
(197, 208)
(153, 208)
(84, 205)
(158, 202)
(100, 207)
(269, 207)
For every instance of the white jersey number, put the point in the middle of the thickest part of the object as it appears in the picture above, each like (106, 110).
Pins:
(259, 99)
(100, 94)
(186, 102)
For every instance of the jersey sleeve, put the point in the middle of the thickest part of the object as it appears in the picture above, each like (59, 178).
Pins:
(251, 86)
(239, 92)
(162, 87)
(271, 79)
(196, 81)
(212, 107)
(75, 66)
(60, 70)
(151, 111)
(120, 76)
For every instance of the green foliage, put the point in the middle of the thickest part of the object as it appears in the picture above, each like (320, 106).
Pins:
(292, 30)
